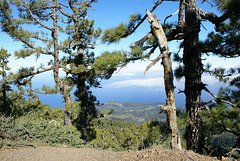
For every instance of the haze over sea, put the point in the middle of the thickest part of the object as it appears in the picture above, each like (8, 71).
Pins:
(130, 84)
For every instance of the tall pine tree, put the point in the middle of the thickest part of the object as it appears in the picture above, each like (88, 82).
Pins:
(61, 31)
(187, 29)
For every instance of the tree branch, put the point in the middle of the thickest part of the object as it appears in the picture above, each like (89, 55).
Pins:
(37, 91)
(224, 101)
(164, 109)
(145, 38)
(175, 34)
(220, 122)
(153, 63)
(170, 16)
(220, 52)
(35, 18)
(143, 19)
(64, 13)
(211, 17)
(34, 73)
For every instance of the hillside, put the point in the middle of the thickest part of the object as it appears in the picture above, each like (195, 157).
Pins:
(135, 112)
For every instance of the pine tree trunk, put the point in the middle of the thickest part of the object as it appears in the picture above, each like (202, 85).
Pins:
(6, 107)
(192, 71)
(63, 88)
(170, 107)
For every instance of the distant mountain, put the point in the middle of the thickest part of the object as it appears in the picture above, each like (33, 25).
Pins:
(136, 112)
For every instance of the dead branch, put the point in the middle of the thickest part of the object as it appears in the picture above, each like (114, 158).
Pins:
(153, 63)
(233, 150)
(211, 101)
(143, 19)
(164, 109)
(207, 2)
(145, 38)
(170, 16)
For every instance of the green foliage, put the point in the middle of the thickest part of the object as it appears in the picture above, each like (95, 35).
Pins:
(229, 7)
(5, 83)
(179, 72)
(114, 34)
(74, 108)
(225, 42)
(221, 123)
(108, 62)
(122, 135)
(32, 131)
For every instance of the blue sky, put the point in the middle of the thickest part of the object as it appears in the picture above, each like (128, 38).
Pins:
(130, 83)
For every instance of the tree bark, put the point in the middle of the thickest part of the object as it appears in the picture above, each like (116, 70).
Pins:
(170, 107)
(192, 72)
(63, 88)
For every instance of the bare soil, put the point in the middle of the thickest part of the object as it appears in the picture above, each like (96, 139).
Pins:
(45, 153)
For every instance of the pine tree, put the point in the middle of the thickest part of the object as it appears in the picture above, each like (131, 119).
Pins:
(5, 84)
(222, 113)
(35, 14)
(187, 29)
(73, 54)
(221, 117)
(155, 38)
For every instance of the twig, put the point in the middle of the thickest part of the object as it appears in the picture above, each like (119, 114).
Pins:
(207, 2)
(170, 16)
(230, 153)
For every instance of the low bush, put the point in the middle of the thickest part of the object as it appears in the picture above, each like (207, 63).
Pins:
(26, 131)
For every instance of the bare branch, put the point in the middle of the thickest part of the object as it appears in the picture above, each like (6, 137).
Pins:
(233, 150)
(170, 16)
(181, 91)
(211, 101)
(145, 38)
(164, 109)
(143, 19)
(64, 13)
(224, 101)
(211, 17)
(207, 2)
(153, 63)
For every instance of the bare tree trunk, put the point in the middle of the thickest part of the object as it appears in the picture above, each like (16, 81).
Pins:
(170, 107)
(192, 72)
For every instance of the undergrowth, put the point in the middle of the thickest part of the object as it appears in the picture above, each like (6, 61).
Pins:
(27, 131)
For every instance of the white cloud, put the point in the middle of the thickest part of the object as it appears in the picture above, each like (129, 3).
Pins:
(138, 68)
(147, 83)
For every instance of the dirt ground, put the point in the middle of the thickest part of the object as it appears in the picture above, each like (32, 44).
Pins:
(46, 153)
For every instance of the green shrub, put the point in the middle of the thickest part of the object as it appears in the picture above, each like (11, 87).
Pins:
(29, 131)
(122, 135)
